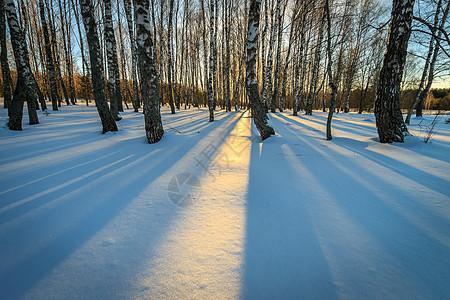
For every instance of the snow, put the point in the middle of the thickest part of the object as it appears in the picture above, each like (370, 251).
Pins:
(85, 215)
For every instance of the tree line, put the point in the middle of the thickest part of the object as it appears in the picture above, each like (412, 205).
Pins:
(266, 55)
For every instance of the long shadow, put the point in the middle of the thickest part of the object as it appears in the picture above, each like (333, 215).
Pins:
(50, 147)
(433, 150)
(81, 176)
(281, 118)
(433, 182)
(359, 147)
(283, 258)
(424, 261)
(183, 117)
(82, 219)
(340, 127)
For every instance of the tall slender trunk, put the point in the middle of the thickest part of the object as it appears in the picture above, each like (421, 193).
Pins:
(56, 57)
(4, 59)
(314, 78)
(215, 60)
(211, 63)
(257, 108)
(238, 84)
(208, 94)
(113, 65)
(84, 64)
(268, 87)
(330, 72)
(66, 28)
(424, 93)
(273, 102)
(227, 56)
(170, 59)
(298, 86)
(48, 51)
(87, 12)
(149, 79)
(161, 46)
(286, 64)
(136, 102)
(123, 64)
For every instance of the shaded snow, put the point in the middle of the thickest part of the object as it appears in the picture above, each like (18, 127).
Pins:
(86, 215)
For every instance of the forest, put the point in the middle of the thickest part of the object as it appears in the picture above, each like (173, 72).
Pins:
(224, 149)
(199, 55)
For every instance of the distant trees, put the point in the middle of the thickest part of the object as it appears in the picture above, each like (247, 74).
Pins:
(437, 30)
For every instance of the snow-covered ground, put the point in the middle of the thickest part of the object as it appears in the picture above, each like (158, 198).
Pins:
(213, 212)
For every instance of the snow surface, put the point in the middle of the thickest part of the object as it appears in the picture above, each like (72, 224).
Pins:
(91, 216)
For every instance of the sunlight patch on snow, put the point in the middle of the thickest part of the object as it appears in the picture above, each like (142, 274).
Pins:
(202, 253)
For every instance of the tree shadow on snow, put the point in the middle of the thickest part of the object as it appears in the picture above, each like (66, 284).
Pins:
(283, 258)
(56, 223)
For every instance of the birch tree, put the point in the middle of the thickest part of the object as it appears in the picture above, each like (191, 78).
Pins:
(25, 88)
(48, 52)
(211, 77)
(257, 108)
(430, 62)
(332, 85)
(149, 79)
(4, 58)
(389, 119)
(135, 101)
(113, 65)
(170, 58)
(315, 72)
(87, 13)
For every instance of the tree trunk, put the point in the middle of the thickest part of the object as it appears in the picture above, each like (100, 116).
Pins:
(273, 103)
(268, 87)
(388, 115)
(66, 28)
(4, 59)
(149, 79)
(227, 58)
(170, 59)
(313, 83)
(87, 12)
(298, 86)
(205, 57)
(48, 52)
(211, 95)
(330, 72)
(286, 64)
(135, 100)
(113, 65)
(424, 93)
(25, 89)
(215, 61)
(257, 108)
(84, 64)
